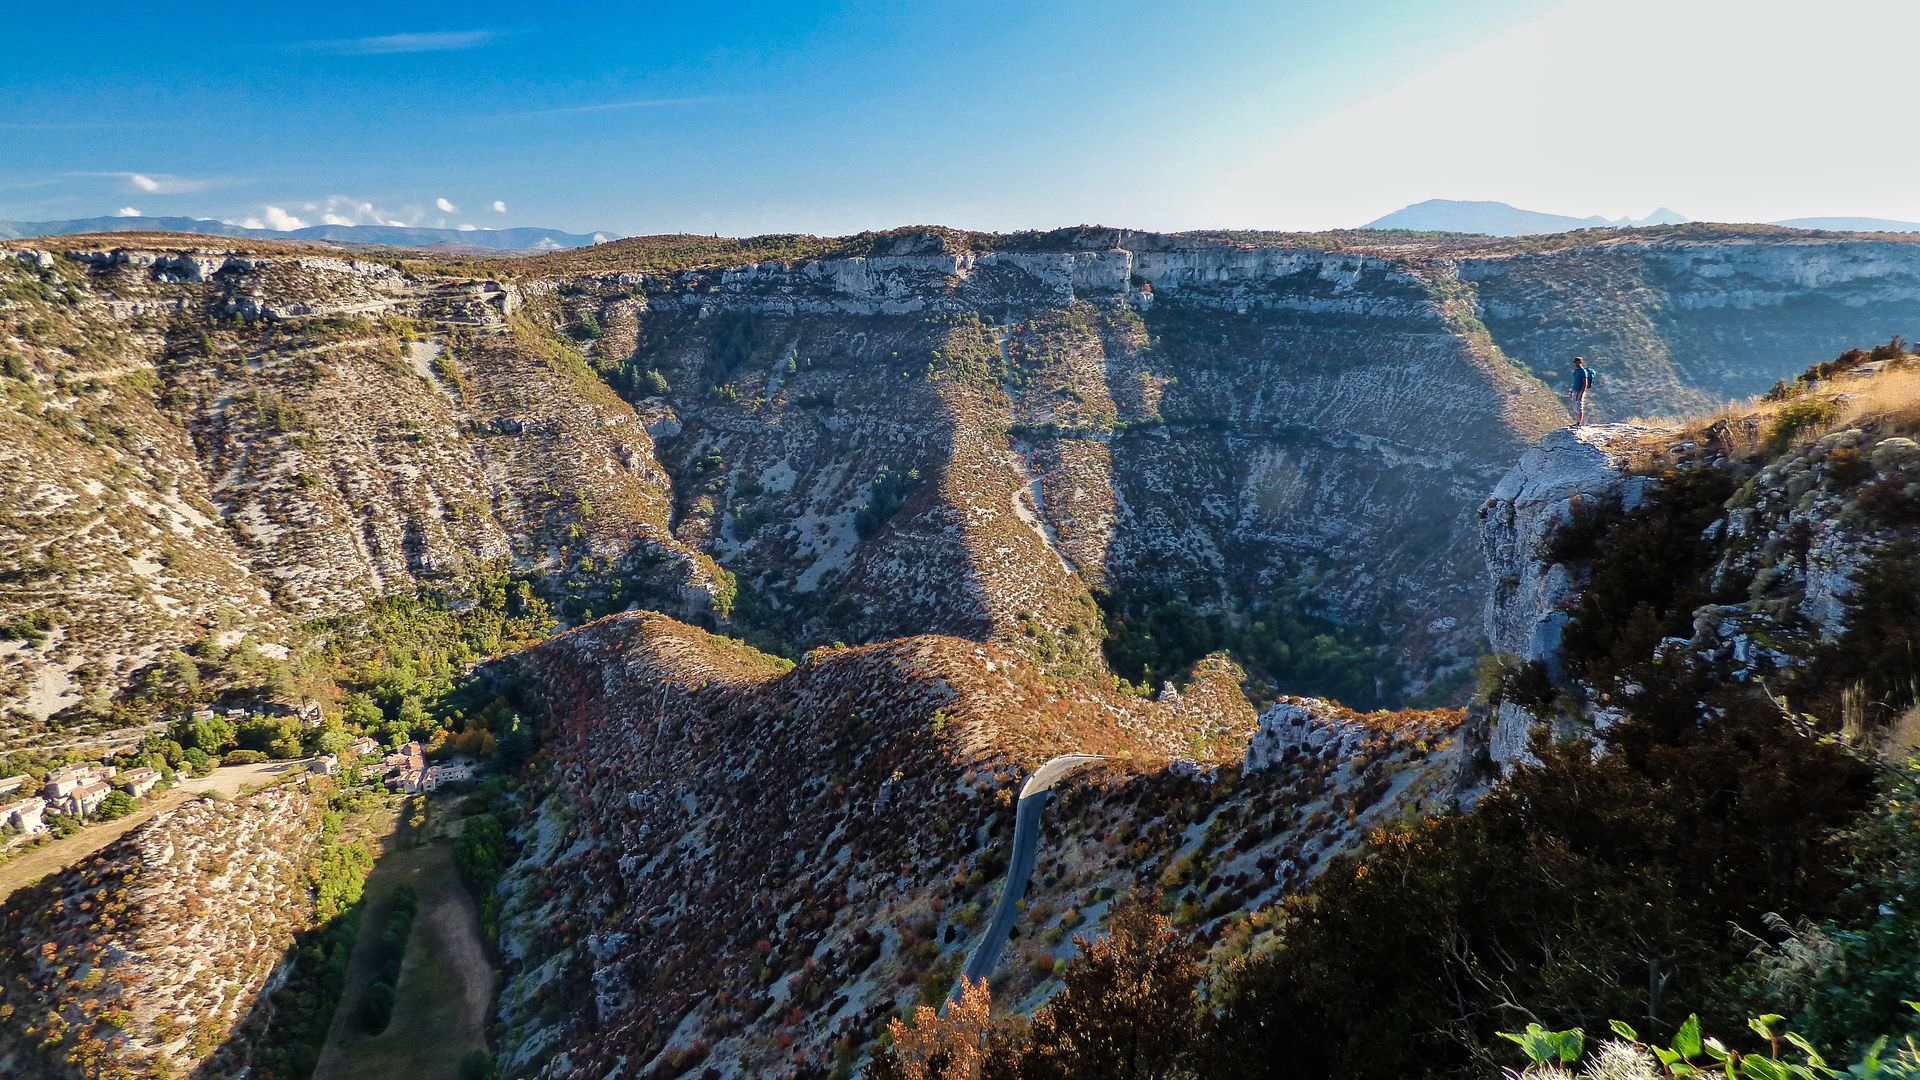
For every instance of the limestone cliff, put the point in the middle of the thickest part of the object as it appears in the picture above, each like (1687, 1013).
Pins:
(1803, 496)
(992, 437)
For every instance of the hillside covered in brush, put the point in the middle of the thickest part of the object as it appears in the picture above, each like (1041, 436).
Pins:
(1106, 450)
(843, 543)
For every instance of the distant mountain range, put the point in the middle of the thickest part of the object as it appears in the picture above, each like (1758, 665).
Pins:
(1851, 224)
(1499, 219)
(523, 239)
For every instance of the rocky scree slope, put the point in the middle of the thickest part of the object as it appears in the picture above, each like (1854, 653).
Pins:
(748, 867)
(144, 959)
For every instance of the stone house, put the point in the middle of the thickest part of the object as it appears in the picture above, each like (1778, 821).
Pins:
(87, 798)
(450, 772)
(409, 769)
(64, 781)
(324, 765)
(24, 814)
(139, 781)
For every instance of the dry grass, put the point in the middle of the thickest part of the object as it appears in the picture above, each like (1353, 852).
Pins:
(1884, 397)
(1902, 736)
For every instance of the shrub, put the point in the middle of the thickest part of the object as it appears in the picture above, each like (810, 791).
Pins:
(243, 757)
(117, 804)
(965, 1044)
(1647, 575)
(477, 1065)
(376, 1008)
(1798, 416)
(885, 498)
(1572, 890)
(1505, 678)
(1126, 1004)
(1847, 467)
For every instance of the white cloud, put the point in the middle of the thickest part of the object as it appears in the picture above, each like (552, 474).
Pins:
(126, 211)
(499, 207)
(469, 228)
(390, 44)
(336, 219)
(156, 183)
(1612, 107)
(445, 206)
(275, 218)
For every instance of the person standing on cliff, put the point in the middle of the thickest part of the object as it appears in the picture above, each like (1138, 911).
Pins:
(1582, 382)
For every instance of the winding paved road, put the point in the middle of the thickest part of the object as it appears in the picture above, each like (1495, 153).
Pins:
(1026, 842)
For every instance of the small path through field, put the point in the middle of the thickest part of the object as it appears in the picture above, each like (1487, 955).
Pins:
(58, 855)
(1026, 842)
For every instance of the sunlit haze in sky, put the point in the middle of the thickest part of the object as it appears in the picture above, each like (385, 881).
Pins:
(831, 118)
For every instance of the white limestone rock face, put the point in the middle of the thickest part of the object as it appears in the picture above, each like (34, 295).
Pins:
(1569, 468)
(1530, 593)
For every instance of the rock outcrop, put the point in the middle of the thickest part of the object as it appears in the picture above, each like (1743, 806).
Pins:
(1782, 556)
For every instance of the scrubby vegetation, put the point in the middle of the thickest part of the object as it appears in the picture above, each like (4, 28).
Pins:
(377, 1004)
(284, 1040)
(1647, 572)
(1283, 650)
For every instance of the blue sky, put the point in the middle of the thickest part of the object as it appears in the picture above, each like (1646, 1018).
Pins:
(830, 118)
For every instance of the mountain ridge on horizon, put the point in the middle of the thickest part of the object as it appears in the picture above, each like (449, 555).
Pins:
(1494, 218)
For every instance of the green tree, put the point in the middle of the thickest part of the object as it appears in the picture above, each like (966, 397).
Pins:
(117, 804)
(210, 735)
(277, 737)
(362, 712)
(331, 737)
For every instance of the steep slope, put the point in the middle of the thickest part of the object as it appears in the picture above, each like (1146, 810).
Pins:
(212, 443)
(1039, 440)
(145, 959)
(1212, 424)
(1740, 552)
(749, 868)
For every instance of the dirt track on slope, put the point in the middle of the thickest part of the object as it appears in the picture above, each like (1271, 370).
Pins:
(58, 855)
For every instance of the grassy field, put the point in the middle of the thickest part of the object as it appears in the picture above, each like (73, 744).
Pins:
(446, 982)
